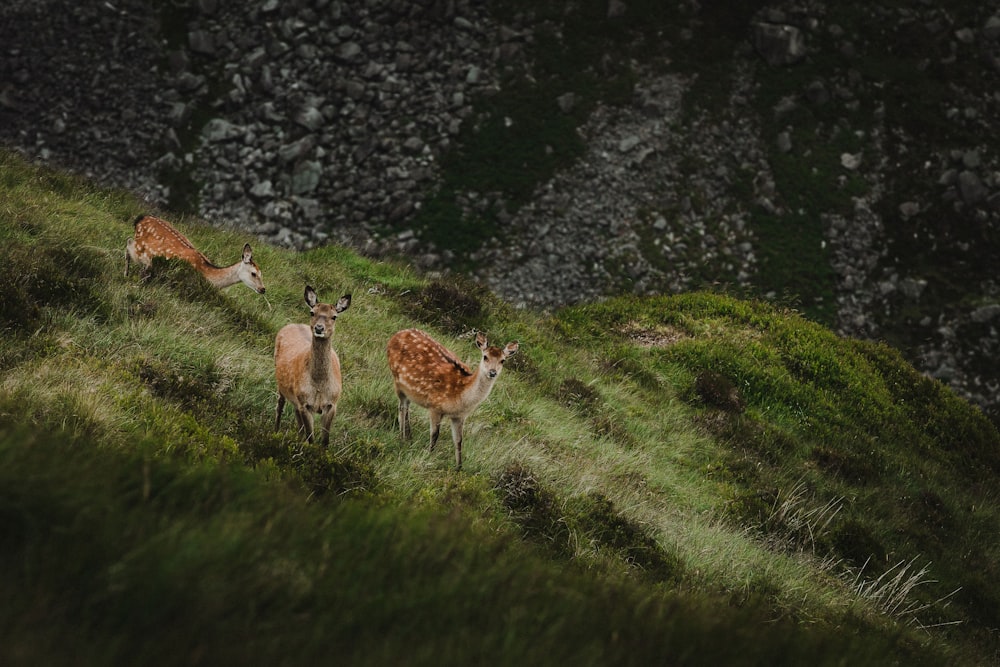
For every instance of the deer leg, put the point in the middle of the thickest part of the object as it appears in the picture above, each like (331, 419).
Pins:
(281, 408)
(435, 428)
(129, 245)
(456, 434)
(329, 412)
(306, 423)
(404, 416)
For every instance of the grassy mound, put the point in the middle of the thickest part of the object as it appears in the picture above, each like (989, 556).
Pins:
(647, 477)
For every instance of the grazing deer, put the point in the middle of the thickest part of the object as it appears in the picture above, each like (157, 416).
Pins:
(430, 375)
(158, 238)
(306, 367)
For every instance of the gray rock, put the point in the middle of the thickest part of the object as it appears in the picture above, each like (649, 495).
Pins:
(263, 190)
(985, 313)
(201, 41)
(178, 114)
(991, 30)
(414, 144)
(297, 149)
(220, 129)
(971, 187)
(817, 93)
(948, 177)
(187, 82)
(850, 161)
(566, 102)
(355, 90)
(628, 143)
(784, 142)
(912, 288)
(908, 209)
(348, 51)
(965, 35)
(306, 177)
(311, 209)
(310, 118)
(779, 44)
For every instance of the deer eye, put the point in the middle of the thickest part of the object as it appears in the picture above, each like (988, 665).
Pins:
(253, 273)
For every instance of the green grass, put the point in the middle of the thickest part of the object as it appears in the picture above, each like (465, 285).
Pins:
(646, 476)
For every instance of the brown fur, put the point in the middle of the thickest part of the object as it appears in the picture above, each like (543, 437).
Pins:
(432, 376)
(307, 369)
(155, 237)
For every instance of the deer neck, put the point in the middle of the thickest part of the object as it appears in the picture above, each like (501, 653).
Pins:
(479, 388)
(219, 276)
(319, 362)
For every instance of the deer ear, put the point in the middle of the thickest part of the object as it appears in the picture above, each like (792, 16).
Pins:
(344, 303)
(481, 340)
(311, 296)
(510, 349)
(247, 253)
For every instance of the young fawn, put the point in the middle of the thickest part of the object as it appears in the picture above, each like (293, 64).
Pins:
(430, 375)
(158, 238)
(306, 367)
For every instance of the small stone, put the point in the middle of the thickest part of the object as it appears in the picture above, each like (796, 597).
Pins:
(628, 143)
(201, 41)
(566, 102)
(784, 142)
(263, 190)
(850, 161)
(909, 209)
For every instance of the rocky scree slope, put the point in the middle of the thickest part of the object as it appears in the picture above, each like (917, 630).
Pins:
(863, 133)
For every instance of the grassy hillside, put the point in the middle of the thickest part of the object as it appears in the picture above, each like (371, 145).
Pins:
(694, 480)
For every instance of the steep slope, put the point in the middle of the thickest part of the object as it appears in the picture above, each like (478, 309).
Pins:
(650, 474)
(838, 156)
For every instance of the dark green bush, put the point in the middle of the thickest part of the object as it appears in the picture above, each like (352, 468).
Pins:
(325, 473)
(717, 391)
(532, 506)
(48, 276)
(456, 306)
(575, 394)
(189, 387)
(595, 519)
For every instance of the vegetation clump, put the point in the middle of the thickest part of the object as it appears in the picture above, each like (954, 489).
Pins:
(534, 507)
(34, 279)
(142, 441)
(455, 306)
(718, 391)
(596, 521)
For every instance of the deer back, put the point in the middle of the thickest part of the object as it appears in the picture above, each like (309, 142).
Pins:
(428, 372)
(158, 238)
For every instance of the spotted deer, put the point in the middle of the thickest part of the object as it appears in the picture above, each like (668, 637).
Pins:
(158, 238)
(430, 375)
(306, 367)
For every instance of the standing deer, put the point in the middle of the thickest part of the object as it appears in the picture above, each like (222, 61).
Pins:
(430, 375)
(158, 238)
(306, 367)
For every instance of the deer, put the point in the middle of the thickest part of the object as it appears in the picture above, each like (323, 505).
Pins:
(155, 237)
(427, 373)
(307, 368)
